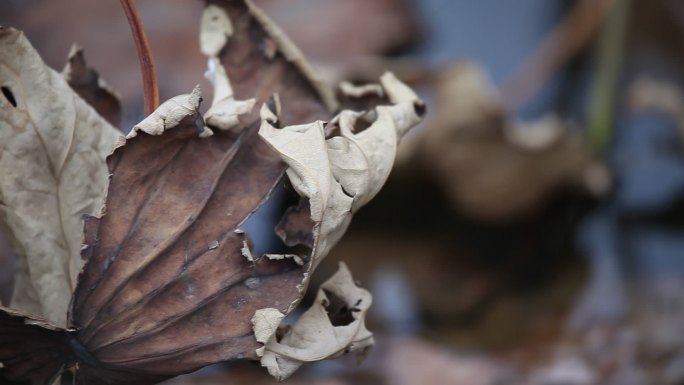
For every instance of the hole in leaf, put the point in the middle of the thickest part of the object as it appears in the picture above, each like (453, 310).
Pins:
(273, 104)
(338, 311)
(282, 331)
(9, 95)
(365, 121)
(420, 108)
(260, 223)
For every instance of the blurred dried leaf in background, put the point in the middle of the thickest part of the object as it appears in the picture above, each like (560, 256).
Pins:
(493, 167)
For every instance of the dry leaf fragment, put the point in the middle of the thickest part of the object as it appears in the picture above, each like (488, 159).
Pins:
(265, 323)
(358, 91)
(170, 114)
(332, 326)
(52, 171)
(164, 264)
(337, 176)
(215, 29)
(91, 87)
(225, 111)
(341, 174)
(265, 46)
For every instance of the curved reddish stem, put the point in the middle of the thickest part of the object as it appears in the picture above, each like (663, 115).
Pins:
(149, 75)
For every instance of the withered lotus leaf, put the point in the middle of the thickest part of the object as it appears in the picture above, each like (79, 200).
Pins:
(170, 284)
(166, 289)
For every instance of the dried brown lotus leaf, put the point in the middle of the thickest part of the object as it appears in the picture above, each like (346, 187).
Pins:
(172, 239)
(260, 44)
(91, 87)
(165, 263)
(168, 288)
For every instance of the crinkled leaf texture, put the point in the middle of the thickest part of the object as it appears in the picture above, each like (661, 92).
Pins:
(52, 171)
(321, 332)
(170, 284)
(337, 176)
(166, 289)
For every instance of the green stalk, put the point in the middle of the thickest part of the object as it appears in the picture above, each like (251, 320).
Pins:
(609, 64)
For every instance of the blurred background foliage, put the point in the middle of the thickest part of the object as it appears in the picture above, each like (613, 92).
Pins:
(533, 229)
